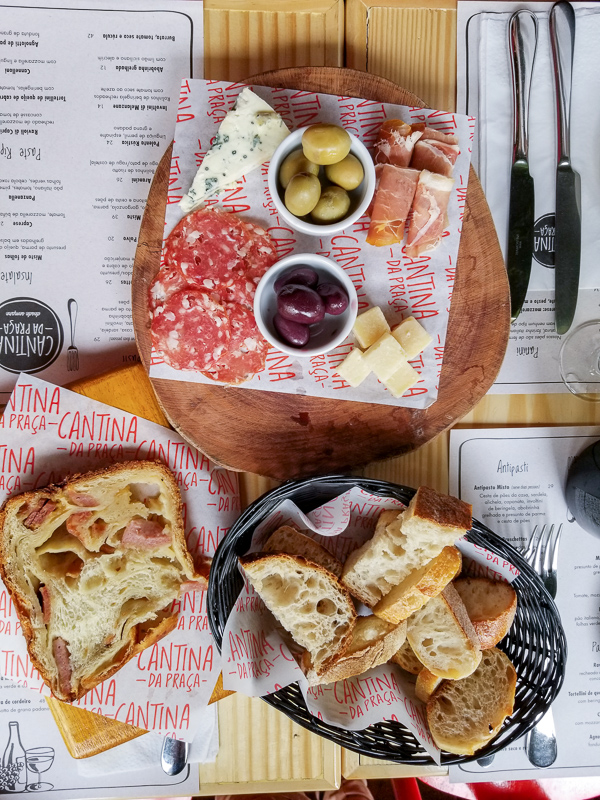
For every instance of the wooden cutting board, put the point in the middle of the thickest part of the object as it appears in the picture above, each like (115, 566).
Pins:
(285, 436)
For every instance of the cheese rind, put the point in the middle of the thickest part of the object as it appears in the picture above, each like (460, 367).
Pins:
(247, 137)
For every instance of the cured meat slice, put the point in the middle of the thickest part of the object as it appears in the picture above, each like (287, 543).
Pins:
(395, 143)
(428, 213)
(392, 203)
(435, 156)
(431, 133)
(145, 534)
(261, 253)
(247, 350)
(191, 330)
(168, 282)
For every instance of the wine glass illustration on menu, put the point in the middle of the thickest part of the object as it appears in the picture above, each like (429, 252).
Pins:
(39, 760)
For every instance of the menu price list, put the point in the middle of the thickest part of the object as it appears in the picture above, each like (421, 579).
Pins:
(515, 480)
(88, 104)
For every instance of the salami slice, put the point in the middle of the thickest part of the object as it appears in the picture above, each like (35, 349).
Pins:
(247, 349)
(202, 297)
(168, 282)
(191, 330)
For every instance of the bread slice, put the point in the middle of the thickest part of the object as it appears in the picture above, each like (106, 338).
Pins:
(419, 586)
(431, 522)
(426, 684)
(93, 566)
(443, 638)
(405, 657)
(491, 606)
(307, 600)
(465, 715)
(374, 641)
(289, 540)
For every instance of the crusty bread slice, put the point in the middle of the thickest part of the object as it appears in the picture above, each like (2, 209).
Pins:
(374, 641)
(431, 522)
(419, 586)
(93, 565)
(289, 540)
(405, 657)
(307, 600)
(443, 638)
(491, 606)
(426, 684)
(465, 715)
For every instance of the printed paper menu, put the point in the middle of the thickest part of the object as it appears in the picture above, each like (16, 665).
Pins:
(88, 104)
(515, 479)
(383, 276)
(48, 433)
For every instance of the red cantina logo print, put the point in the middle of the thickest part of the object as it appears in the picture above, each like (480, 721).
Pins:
(175, 666)
(15, 464)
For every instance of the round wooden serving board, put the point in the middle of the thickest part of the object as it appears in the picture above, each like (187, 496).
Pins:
(284, 436)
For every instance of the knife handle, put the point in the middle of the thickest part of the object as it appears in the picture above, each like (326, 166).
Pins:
(522, 35)
(562, 40)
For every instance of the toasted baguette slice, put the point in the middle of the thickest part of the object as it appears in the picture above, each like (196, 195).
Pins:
(289, 540)
(405, 657)
(419, 586)
(443, 638)
(307, 600)
(374, 641)
(491, 606)
(426, 684)
(465, 715)
(93, 565)
(431, 522)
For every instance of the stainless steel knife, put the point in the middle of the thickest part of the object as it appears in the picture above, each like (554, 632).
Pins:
(567, 234)
(522, 35)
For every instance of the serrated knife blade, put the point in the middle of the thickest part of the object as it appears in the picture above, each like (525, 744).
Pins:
(567, 234)
(522, 36)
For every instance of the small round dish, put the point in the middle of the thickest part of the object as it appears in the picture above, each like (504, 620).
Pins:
(324, 335)
(359, 197)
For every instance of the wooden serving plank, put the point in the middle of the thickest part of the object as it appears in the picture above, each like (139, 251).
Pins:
(410, 42)
(243, 37)
(285, 436)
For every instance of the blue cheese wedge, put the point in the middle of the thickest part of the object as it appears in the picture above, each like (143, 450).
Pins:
(248, 136)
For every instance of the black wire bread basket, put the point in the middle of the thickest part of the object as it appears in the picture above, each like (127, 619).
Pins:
(535, 644)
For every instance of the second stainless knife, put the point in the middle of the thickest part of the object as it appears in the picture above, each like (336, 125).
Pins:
(522, 35)
(567, 235)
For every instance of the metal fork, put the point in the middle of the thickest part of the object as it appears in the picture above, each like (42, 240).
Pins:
(541, 553)
(72, 351)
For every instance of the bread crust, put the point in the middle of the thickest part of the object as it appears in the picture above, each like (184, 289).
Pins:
(441, 509)
(295, 543)
(40, 635)
(421, 585)
(491, 606)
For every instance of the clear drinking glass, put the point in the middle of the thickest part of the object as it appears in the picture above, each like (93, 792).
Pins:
(39, 760)
(580, 361)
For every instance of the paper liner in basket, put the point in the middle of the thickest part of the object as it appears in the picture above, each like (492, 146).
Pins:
(48, 433)
(258, 661)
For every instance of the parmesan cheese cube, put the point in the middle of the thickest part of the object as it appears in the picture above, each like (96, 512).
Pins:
(385, 357)
(412, 336)
(353, 368)
(401, 380)
(370, 326)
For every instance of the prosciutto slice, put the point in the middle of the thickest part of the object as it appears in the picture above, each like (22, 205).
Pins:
(428, 214)
(391, 205)
(395, 143)
(435, 156)
(431, 133)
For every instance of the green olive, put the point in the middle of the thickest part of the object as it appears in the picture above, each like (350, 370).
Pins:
(333, 205)
(347, 173)
(302, 193)
(294, 163)
(325, 144)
